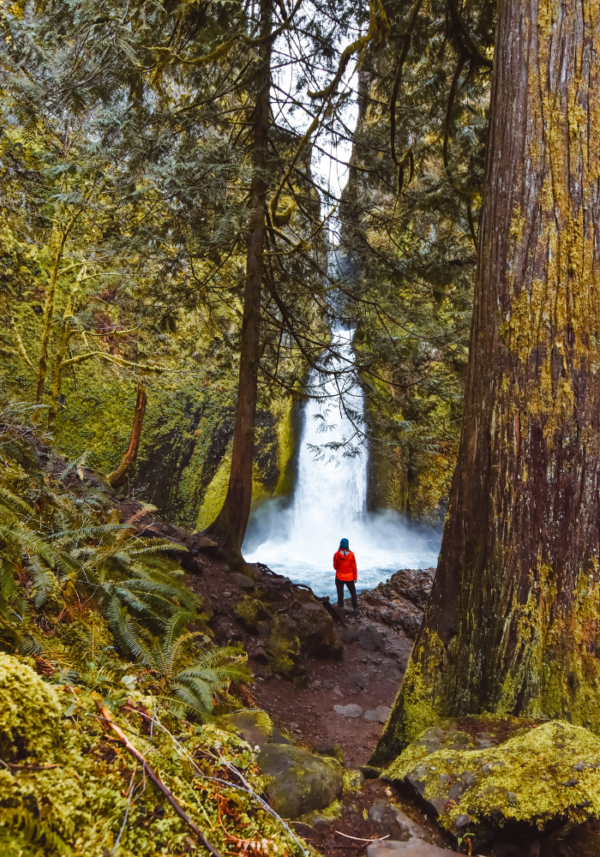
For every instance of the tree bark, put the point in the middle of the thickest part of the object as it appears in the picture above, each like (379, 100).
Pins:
(118, 476)
(230, 525)
(513, 620)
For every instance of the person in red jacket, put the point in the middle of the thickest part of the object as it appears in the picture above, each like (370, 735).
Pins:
(344, 563)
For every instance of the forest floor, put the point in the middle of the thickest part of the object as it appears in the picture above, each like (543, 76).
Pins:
(363, 677)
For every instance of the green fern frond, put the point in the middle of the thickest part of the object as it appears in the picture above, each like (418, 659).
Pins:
(43, 580)
(13, 503)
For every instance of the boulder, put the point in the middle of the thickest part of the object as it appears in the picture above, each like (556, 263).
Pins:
(414, 584)
(242, 580)
(255, 727)
(379, 714)
(536, 776)
(315, 630)
(298, 781)
(250, 611)
(394, 611)
(389, 821)
(284, 649)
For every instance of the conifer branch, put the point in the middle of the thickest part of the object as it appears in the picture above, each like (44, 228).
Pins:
(224, 48)
(467, 41)
(378, 25)
(396, 87)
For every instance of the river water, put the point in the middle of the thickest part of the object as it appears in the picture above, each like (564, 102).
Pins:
(329, 501)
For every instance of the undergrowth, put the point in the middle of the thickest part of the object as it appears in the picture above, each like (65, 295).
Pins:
(94, 602)
(95, 616)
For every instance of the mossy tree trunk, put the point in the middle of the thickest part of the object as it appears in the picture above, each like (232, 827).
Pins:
(229, 527)
(513, 621)
(119, 476)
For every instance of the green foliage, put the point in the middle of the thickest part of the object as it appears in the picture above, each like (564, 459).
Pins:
(69, 567)
(74, 793)
(128, 139)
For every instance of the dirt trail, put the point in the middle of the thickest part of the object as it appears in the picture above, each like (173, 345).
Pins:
(367, 676)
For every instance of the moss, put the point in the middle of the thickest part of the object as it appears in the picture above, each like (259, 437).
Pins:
(353, 781)
(29, 714)
(78, 805)
(545, 772)
(330, 813)
(250, 611)
(284, 648)
(214, 496)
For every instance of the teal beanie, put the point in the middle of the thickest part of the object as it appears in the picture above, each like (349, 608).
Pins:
(344, 545)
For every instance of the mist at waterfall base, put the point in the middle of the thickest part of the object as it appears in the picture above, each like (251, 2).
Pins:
(329, 503)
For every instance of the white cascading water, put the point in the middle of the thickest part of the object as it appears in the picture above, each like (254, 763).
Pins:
(329, 503)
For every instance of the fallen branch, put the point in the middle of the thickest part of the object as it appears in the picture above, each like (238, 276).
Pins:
(106, 716)
(9, 767)
(360, 838)
(246, 787)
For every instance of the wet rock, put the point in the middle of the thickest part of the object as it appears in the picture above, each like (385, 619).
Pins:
(370, 638)
(388, 820)
(242, 580)
(299, 782)
(255, 727)
(413, 584)
(379, 714)
(526, 779)
(352, 710)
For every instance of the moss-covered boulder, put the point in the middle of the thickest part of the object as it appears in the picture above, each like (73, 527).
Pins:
(284, 650)
(255, 727)
(29, 713)
(250, 610)
(315, 630)
(504, 772)
(297, 781)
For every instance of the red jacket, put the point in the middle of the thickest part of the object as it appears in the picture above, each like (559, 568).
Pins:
(344, 563)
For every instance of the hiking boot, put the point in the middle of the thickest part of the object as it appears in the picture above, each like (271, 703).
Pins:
(357, 613)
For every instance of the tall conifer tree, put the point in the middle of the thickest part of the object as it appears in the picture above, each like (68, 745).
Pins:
(513, 619)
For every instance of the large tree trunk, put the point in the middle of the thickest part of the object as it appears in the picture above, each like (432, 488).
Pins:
(230, 525)
(513, 621)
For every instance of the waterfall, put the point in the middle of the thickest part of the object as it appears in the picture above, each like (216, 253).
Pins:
(331, 490)
(329, 501)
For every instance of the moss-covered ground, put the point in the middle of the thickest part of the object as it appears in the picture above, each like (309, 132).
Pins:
(67, 786)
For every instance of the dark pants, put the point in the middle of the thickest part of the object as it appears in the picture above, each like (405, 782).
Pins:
(340, 591)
